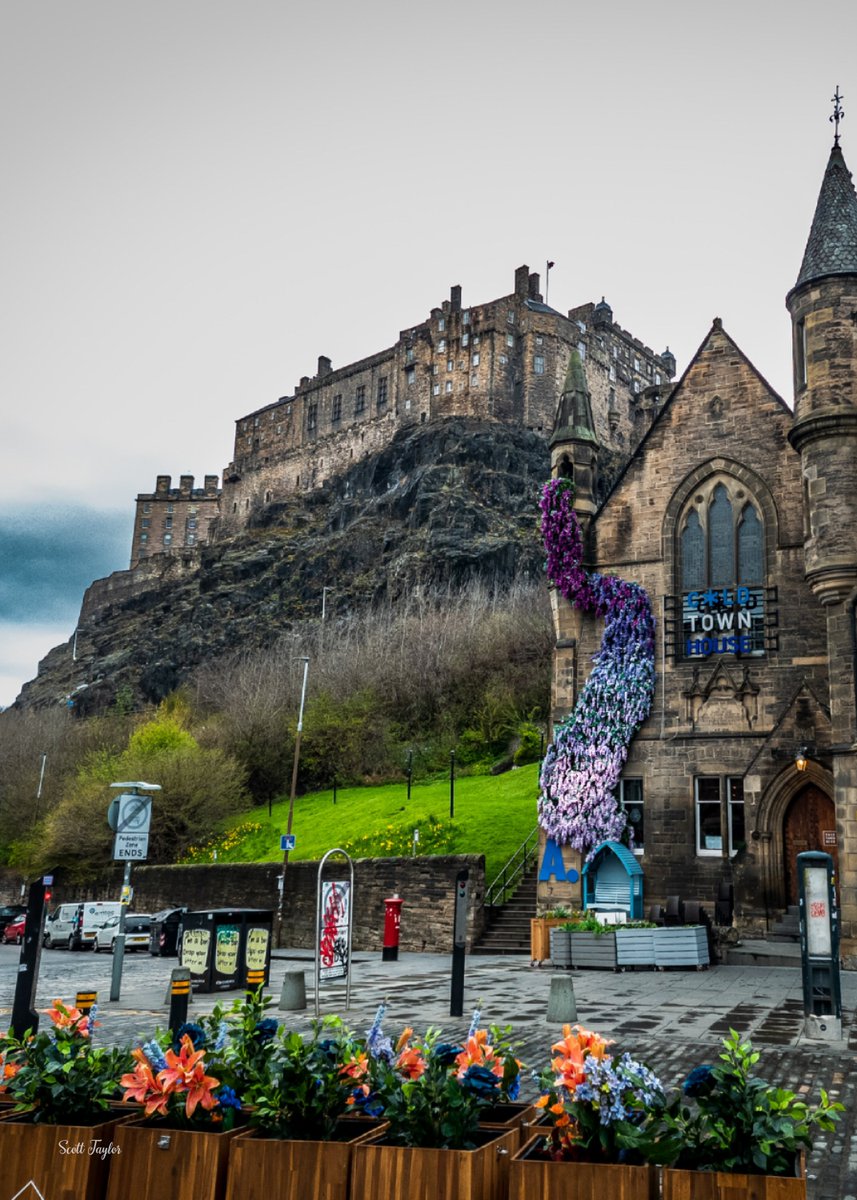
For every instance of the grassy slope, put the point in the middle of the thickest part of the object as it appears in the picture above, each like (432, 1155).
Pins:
(493, 816)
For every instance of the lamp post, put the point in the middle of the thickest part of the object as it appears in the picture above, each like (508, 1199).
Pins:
(281, 908)
(324, 592)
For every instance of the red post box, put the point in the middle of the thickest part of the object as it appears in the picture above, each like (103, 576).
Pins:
(392, 920)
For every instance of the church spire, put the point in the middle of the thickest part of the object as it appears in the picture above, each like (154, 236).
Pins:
(574, 412)
(832, 245)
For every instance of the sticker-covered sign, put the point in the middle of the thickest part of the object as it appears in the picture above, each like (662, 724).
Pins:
(257, 948)
(226, 950)
(195, 944)
(333, 934)
(817, 897)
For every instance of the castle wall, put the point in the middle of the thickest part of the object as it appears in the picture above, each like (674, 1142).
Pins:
(170, 519)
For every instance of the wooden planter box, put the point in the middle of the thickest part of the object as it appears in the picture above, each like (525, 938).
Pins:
(65, 1162)
(681, 946)
(261, 1167)
(380, 1172)
(540, 927)
(156, 1163)
(532, 1177)
(560, 947)
(594, 950)
(719, 1185)
(512, 1115)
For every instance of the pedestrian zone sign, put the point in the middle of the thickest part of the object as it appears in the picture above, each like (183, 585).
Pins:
(287, 841)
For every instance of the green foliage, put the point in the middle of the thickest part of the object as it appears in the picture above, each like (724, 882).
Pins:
(725, 1118)
(59, 1076)
(397, 841)
(343, 739)
(160, 736)
(530, 744)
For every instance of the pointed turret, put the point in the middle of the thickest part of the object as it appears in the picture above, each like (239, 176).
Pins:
(831, 248)
(574, 443)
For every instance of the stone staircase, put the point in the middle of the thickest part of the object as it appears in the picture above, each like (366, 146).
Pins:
(787, 928)
(508, 931)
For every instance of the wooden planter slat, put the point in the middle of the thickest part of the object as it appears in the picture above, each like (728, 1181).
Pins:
(539, 1179)
(192, 1167)
(635, 947)
(540, 927)
(594, 950)
(719, 1185)
(34, 1154)
(261, 1167)
(513, 1115)
(560, 947)
(381, 1172)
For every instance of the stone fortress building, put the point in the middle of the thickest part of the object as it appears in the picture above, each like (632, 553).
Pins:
(501, 361)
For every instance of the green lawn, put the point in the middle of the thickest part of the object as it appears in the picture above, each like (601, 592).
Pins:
(493, 816)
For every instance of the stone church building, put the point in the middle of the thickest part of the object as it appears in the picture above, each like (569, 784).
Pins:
(739, 517)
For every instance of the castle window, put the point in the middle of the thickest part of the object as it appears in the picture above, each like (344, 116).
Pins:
(448, 386)
(170, 508)
(168, 537)
(581, 349)
(144, 537)
(510, 317)
(465, 317)
(336, 408)
(190, 539)
(465, 339)
(441, 346)
(360, 399)
(382, 390)
(503, 360)
(311, 416)
(441, 324)
(168, 523)
(449, 364)
(722, 572)
(410, 377)
(539, 340)
(147, 508)
(719, 804)
(636, 364)
(539, 364)
(145, 522)
(435, 391)
(631, 800)
(474, 360)
(476, 339)
(612, 373)
(657, 378)
(279, 429)
(409, 354)
(800, 354)
(636, 387)
(474, 381)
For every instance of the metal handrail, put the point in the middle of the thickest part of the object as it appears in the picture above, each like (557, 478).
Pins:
(504, 884)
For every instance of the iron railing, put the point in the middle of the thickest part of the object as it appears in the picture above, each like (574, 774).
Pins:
(504, 885)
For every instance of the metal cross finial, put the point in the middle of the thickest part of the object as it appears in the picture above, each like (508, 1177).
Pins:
(838, 114)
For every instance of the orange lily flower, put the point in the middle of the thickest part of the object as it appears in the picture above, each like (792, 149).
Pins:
(411, 1062)
(406, 1033)
(68, 1018)
(185, 1071)
(144, 1087)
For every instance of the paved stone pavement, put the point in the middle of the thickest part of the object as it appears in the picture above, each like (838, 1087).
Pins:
(673, 1019)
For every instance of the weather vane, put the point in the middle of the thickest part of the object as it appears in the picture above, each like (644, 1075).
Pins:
(838, 114)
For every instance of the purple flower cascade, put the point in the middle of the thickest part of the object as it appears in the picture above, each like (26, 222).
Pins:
(581, 769)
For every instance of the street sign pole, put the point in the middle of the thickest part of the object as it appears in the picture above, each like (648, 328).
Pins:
(130, 815)
(119, 944)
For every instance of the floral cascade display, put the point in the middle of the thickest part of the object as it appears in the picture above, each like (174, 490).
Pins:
(591, 1099)
(431, 1092)
(582, 767)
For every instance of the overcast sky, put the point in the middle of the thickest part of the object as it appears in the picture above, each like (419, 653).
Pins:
(199, 198)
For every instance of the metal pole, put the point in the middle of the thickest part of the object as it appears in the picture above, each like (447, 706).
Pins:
(410, 770)
(334, 789)
(119, 945)
(451, 784)
(282, 905)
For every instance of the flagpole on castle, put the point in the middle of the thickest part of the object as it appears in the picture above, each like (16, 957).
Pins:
(548, 266)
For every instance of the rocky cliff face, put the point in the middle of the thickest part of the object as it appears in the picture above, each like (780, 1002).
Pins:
(442, 504)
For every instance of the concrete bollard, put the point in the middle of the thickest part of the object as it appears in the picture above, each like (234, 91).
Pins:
(562, 1006)
(293, 992)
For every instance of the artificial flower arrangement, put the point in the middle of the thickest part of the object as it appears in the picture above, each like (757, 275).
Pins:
(433, 1093)
(59, 1076)
(590, 1099)
(581, 769)
(725, 1118)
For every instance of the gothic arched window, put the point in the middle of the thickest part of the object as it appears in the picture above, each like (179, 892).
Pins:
(721, 551)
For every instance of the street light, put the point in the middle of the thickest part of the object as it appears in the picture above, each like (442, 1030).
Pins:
(292, 799)
(324, 592)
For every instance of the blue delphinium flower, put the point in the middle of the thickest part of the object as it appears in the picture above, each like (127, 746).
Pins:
(155, 1055)
(222, 1035)
(474, 1023)
(377, 1045)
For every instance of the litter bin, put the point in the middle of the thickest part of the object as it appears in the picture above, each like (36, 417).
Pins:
(219, 946)
(164, 933)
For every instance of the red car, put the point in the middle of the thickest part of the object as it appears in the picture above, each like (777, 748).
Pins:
(14, 931)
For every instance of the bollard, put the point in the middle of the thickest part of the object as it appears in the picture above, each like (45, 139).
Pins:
(179, 997)
(293, 993)
(85, 1001)
(562, 1006)
(255, 979)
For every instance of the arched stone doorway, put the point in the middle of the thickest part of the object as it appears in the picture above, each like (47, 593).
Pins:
(809, 823)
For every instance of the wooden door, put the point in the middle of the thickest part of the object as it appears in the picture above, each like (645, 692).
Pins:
(810, 824)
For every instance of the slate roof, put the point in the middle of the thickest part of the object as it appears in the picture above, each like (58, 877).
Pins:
(574, 412)
(832, 245)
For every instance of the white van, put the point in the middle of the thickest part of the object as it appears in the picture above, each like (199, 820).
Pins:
(74, 926)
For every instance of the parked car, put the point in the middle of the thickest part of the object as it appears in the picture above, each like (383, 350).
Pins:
(14, 931)
(166, 931)
(137, 927)
(74, 926)
(8, 912)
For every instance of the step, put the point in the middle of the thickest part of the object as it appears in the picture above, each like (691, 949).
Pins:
(763, 953)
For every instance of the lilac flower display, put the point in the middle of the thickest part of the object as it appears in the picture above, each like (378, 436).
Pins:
(581, 769)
